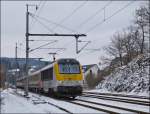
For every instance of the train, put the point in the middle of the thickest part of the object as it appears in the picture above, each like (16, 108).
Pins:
(63, 77)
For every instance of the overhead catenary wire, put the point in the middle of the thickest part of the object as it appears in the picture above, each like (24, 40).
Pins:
(106, 19)
(23, 50)
(42, 45)
(93, 15)
(88, 52)
(66, 44)
(37, 7)
(99, 23)
(52, 22)
(41, 40)
(97, 12)
(72, 13)
(41, 8)
(45, 27)
(37, 12)
(75, 10)
(48, 28)
(64, 19)
(68, 16)
(52, 48)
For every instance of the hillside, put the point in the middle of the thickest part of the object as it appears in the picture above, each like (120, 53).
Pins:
(132, 78)
(10, 63)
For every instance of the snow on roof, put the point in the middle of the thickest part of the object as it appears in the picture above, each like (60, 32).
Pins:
(87, 67)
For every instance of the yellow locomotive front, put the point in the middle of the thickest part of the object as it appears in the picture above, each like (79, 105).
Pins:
(69, 77)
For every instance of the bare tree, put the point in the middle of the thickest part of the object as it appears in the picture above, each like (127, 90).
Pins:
(115, 49)
(142, 20)
(131, 43)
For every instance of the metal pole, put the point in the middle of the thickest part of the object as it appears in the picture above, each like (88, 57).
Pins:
(27, 49)
(149, 33)
(77, 44)
(16, 67)
(149, 25)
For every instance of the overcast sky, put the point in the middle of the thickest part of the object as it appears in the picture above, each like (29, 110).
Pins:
(71, 15)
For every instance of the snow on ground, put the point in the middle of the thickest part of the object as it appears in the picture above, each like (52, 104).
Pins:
(105, 108)
(146, 94)
(121, 97)
(119, 104)
(132, 79)
(13, 103)
(16, 104)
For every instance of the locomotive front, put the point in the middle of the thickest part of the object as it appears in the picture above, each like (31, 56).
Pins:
(69, 77)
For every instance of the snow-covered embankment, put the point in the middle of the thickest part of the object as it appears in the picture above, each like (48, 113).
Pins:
(132, 78)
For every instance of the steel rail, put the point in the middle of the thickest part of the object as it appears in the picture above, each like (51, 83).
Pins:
(120, 95)
(111, 106)
(92, 107)
(61, 108)
(118, 99)
(38, 98)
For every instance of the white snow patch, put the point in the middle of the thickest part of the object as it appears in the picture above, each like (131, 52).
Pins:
(131, 79)
(14, 103)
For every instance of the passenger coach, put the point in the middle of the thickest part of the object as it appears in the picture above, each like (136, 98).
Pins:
(63, 77)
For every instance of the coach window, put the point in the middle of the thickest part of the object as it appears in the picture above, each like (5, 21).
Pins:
(47, 74)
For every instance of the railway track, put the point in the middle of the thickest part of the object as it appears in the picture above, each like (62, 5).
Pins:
(110, 107)
(92, 107)
(38, 101)
(98, 106)
(61, 108)
(108, 97)
(120, 95)
(73, 101)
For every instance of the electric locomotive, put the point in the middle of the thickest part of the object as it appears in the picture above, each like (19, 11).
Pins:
(63, 77)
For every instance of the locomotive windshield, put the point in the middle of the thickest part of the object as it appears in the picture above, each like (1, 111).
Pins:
(69, 68)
